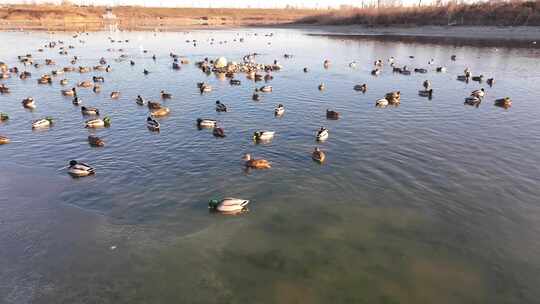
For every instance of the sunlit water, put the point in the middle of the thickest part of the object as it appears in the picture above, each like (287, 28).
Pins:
(429, 202)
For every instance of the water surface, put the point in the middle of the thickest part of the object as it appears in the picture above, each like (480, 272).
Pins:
(431, 201)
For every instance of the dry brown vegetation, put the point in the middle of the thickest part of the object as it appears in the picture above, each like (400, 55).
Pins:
(497, 13)
(70, 17)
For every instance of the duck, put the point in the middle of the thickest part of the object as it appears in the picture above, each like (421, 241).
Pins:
(218, 132)
(463, 78)
(266, 89)
(426, 93)
(326, 64)
(322, 87)
(263, 135)
(63, 82)
(490, 81)
(206, 123)
(153, 105)
(96, 88)
(162, 111)
(330, 114)
(165, 95)
(85, 84)
(4, 116)
(95, 141)
(473, 101)
(420, 70)
(98, 122)
(279, 110)
(45, 79)
(140, 101)
(98, 79)
(376, 72)
(4, 89)
(478, 78)
(229, 205)
(453, 57)
(4, 140)
(78, 169)
(393, 97)
(360, 87)
(152, 124)
(70, 92)
(322, 134)
(115, 94)
(29, 103)
(256, 97)
(108, 69)
(383, 102)
(204, 87)
(505, 102)
(220, 107)
(24, 75)
(426, 84)
(256, 163)
(89, 111)
(235, 82)
(441, 69)
(76, 100)
(42, 123)
(318, 155)
(305, 70)
(479, 93)
(146, 72)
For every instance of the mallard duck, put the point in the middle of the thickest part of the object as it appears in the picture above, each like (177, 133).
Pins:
(453, 57)
(393, 97)
(4, 89)
(441, 69)
(426, 93)
(204, 87)
(95, 141)
(108, 69)
(235, 82)
(478, 78)
(89, 111)
(176, 66)
(152, 124)
(140, 101)
(330, 114)
(163, 111)
(70, 92)
(326, 64)
(463, 78)
(360, 87)
(426, 84)
(322, 134)
(165, 95)
(318, 155)
(153, 105)
(490, 81)
(383, 102)
(4, 140)
(98, 79)
(63, 82)
(45, 80)
(85, 84)
(218, 132)
(220, 107)
(479, 93)
(279, 110)
(375, 72)
(115, 95)
(229, 205)
(76, 101)
(256, 163)
(25, 75)
(98, 122)
(420, 70)
(256, 97)
(206, 123)
(263, 135)
(322, 87)
(473, 101)
(505, 102)
(29, 103)
(42, 123)
(4, 116)
(306, 70)
(146, 72)
(266, 89)
(79, 169)
(96, 88)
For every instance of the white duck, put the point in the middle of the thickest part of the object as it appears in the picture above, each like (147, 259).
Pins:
(322, 134)
(263, 135)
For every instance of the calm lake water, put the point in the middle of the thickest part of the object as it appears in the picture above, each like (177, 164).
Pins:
(429, 202)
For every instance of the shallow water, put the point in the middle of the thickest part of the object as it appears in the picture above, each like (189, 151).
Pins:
(431, 201)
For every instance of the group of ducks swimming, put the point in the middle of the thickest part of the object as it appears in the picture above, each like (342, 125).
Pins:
(220, 66)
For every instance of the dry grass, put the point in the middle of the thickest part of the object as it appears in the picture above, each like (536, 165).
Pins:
(497, 13)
